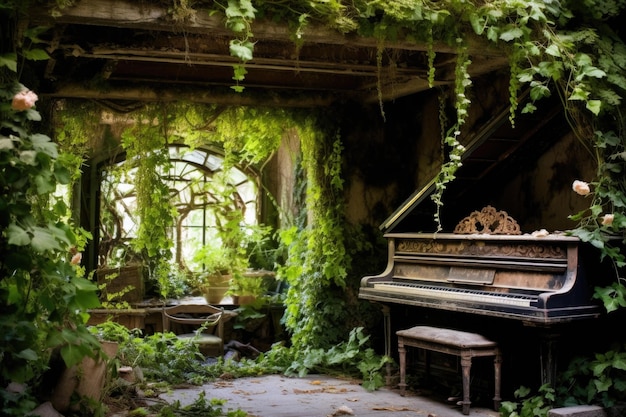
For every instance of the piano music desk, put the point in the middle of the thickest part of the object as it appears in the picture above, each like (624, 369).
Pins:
(452, 342)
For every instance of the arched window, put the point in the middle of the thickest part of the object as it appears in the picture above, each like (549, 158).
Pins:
(205, 194)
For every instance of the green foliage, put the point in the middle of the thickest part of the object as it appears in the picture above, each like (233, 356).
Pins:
(114, 300)
(165, 358)
(343, 359)
(455, 149)
(201, 406)
(600, 380)
(529, 406)
(317, 257)
(145, 147)
(44, 299)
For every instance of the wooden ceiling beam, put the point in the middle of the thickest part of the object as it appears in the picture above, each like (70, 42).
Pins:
(188, 58)
(196, 95)
(140, 15)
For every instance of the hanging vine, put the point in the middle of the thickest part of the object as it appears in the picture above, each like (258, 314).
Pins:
(454, 149)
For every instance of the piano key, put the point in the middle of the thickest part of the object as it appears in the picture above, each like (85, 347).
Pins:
(457, 294)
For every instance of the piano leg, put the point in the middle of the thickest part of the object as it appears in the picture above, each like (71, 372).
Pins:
(387, 332)
(548, 358)
(497, 368)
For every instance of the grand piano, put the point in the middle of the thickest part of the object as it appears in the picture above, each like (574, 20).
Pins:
(487, 267)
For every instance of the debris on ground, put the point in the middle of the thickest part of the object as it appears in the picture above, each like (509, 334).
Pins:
(342, 411)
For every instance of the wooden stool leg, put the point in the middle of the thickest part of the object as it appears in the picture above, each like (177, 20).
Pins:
(466, 365)
(402, 357)
(497, 366)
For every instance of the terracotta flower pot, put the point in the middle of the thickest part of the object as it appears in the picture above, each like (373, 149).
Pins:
(86, 379)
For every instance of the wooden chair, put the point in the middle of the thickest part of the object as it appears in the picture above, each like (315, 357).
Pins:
(208, 321)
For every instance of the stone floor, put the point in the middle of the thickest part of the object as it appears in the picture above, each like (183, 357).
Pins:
(318, 396)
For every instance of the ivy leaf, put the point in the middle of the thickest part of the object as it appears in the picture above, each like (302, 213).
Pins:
(239, 72)
(62, 174)
(603, 384)
(44, 183)
(72, 354)
(29, 157)
(9, 60)
(592, 71)
(438, 17)
(510, 34)
(241, 49)
(237, 25)
(28, 354)
(553, 50)
(6, 144)
(477, 22)
(539, 91)
(33, 115)
(610, 138)
(233, 9)
(594, 106)
(33, 33)
(247, 9)
(537, 14)
(529, 108)
(525, 76)
(42, 143)
(43, 240)
(86, 296)
(493, 33)
(35, 54)
(619, 363)
(17, 236)
(579, 94)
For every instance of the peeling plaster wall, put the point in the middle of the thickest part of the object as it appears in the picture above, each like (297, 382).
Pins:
(542, 198)
(387, 160)
(279, 174)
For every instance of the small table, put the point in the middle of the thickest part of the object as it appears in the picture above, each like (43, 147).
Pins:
(452, 342)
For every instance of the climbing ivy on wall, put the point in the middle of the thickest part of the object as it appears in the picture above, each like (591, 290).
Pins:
(317, 261)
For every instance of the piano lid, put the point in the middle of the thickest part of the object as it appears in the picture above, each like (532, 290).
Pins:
(493, 143)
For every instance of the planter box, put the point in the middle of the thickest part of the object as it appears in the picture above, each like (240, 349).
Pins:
(131, 318)
(127, 280)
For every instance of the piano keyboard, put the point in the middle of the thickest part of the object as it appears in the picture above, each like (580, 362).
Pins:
(457, 294)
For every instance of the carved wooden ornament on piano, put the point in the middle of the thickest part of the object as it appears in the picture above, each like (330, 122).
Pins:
(487, 266)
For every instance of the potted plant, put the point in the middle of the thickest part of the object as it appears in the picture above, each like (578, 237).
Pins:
(216, 266)
(248, 286)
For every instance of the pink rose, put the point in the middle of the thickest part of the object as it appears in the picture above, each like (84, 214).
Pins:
(607, 219)
(581, 187)
(24, 100)
(76, 258)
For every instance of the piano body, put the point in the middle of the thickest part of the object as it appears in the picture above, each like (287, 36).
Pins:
(537, 280)
(487, 267)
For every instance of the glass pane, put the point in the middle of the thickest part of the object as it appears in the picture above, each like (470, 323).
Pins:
(196, 156)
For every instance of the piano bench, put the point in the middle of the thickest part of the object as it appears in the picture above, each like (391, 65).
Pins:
(452, 342)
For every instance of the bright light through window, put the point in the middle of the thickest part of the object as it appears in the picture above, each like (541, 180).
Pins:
(199, 190)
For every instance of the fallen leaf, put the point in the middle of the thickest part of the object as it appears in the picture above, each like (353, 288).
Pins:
(392, 409)
(343, 410)
(327, 390)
